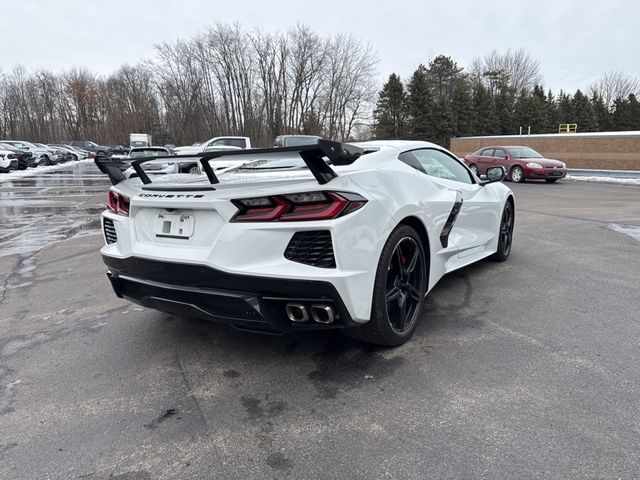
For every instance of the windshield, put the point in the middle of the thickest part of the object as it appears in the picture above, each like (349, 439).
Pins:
(139, 143)
(523, 152)
(148, 153)
(91, 144)
(295, 141)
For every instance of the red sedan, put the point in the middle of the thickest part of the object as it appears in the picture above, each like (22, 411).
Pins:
(521, 163)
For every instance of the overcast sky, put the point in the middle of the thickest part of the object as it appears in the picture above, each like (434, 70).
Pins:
(576, 41)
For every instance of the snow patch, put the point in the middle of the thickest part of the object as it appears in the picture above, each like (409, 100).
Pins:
(632, 230)
(30, 172)
(616, 181)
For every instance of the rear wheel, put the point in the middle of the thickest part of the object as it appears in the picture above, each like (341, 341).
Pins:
(399, 290)
(474, 168)
(517, 174)
(551, 180)
(505, 234)
(45, 160)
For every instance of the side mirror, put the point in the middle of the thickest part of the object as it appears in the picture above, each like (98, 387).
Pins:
(497, 173)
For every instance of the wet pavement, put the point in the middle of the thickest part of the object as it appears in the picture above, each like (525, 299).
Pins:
(49, 206)
(524, 369)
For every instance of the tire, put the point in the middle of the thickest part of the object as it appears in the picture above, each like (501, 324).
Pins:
(505, 233)
(396, 306)
(74, 157)
(551, 180)
(47, 161)
(474, 168)
(517, 174)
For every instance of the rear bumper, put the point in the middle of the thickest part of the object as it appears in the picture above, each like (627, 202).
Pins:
(243, 301)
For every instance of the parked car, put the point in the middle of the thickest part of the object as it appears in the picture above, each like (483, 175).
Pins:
(153, 168)
(213, 144)
(41, 155)
(25, 158)
(89, 146)
(521, 163)
(355, 245)
(82, 153)
(8, 161)
(58, 154)
(73, 154)
(295, 140)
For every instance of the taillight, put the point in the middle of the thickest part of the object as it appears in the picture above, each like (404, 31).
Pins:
(118, 203)
(297, 207)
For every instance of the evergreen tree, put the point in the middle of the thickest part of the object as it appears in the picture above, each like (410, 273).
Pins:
(486, 122)
(583, 113)
(390, 114)
(443, 73)
(461, 107)
(601, 113)
(504, 110)
(551, 111)
(626, 114)
(565, 109)
(420, 105)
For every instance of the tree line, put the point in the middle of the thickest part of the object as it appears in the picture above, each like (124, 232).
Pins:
(499, 94)
(224, 81)
(228, 81)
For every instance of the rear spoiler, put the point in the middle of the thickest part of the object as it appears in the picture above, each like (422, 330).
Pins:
(313, 156)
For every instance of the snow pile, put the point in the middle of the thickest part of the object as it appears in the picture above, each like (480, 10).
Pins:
(30, 172)
(617, 181)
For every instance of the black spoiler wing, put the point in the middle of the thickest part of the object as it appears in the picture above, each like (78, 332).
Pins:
(313, 155)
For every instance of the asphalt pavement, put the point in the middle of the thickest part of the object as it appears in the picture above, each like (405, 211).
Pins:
(523, 369)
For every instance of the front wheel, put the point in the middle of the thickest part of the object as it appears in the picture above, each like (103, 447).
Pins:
(399, 290)
(505, 233)
(474, 168)
(517, 174)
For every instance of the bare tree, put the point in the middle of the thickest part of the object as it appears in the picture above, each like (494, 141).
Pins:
(513, 69)
(613, 85)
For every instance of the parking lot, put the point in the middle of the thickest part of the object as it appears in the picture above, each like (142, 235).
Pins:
(523, 369)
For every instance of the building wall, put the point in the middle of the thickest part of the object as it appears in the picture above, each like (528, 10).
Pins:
(607, 150)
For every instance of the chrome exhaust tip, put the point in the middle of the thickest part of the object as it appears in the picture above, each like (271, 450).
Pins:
(323, 314)
(296, 312)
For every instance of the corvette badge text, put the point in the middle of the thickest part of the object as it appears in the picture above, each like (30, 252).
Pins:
(160, 195)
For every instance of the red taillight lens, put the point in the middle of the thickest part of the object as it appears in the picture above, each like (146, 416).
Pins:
(118, 203)
(297, 207)
(112, 202)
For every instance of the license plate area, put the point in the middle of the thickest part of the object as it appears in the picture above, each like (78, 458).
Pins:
(174, 226)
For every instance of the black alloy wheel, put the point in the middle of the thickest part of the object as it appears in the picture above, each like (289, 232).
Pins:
(399, 291)
(505, 234)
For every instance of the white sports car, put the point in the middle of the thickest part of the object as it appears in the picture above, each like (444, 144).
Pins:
(316, 236)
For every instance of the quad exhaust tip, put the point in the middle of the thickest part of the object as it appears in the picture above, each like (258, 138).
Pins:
(320, 313)
(323, 313)
(296, 312)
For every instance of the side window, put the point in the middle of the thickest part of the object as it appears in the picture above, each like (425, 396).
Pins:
(499, 153)
(438, 164)
(237, 142)
(409, 159)
(487, 152)
(232, 142)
